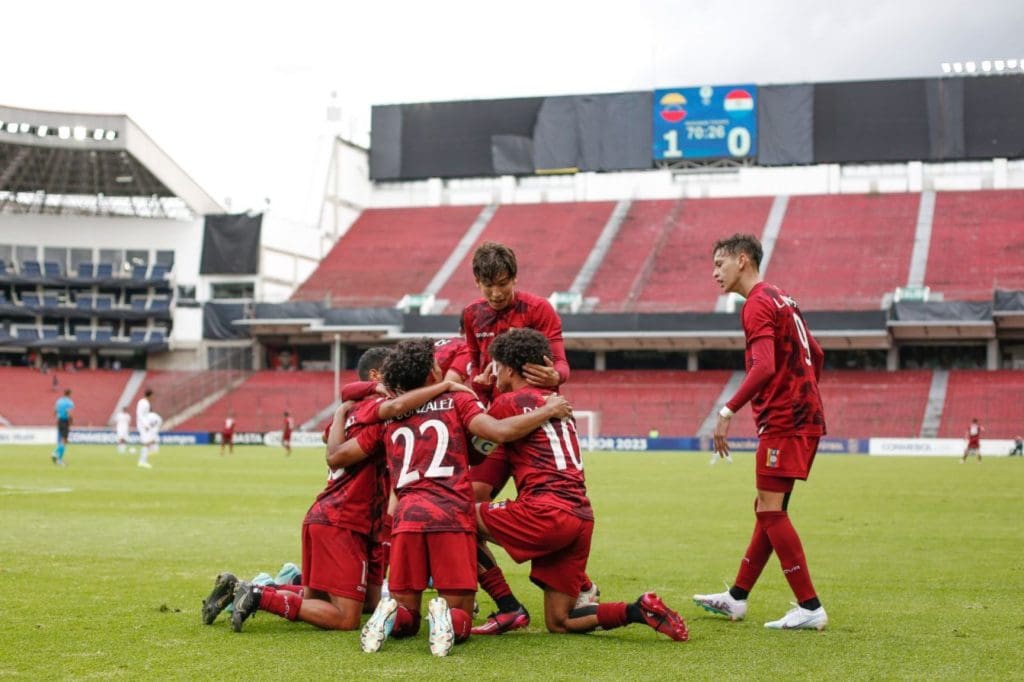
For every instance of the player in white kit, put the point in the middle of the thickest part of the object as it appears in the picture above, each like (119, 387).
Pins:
(122, 426)
(142, 412)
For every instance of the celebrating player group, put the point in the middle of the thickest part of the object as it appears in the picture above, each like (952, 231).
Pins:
(432, 432)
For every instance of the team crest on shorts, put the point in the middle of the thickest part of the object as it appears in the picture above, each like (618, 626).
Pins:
(498, 505)
(773, 458)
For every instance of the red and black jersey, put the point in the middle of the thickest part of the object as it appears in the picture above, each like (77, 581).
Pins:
(483, 323)
(789, 404)
(354, 497)
(454, 354)
(289, 424)
(547, 465)
(428, 457)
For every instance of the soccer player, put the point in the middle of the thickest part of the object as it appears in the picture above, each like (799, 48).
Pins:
(783, 367)
(227, 434)
(142, 411)
(149, 435)
(286, 433)
(340, 570)
(1018, 447)
(550, 523)
(122, 428)
(62, 410)
(433, 535)
(973, 441)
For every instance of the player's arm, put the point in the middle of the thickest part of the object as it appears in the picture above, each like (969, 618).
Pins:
(410, 400)
(357, 390)
(521, 425)
(817, 357)
(341, 453)
(759, 329)
(555, 370)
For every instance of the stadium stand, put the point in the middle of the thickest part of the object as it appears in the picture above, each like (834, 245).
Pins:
(973, 237)
(632, 402)
(354, 274)
(551, 242)
(259, 402)
(995, 398)
(844, 252)
(95, 393)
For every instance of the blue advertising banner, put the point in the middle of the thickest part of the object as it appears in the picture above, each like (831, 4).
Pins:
(709, 122)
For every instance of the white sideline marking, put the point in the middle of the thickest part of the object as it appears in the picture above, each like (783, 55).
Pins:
(28, 490)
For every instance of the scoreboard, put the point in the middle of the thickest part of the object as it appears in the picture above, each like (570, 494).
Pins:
(709, 122)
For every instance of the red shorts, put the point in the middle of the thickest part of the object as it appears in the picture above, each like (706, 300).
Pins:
(227, 437)
(974, 444)
(493, 471)
(449, 558)
(781, 460)
(334, 560)
(286, 437)
(378, 565)
(557, 542)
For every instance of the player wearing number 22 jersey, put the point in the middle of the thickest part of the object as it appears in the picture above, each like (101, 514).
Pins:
(551, 522)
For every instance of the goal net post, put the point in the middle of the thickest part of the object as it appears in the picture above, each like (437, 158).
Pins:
(587, 428)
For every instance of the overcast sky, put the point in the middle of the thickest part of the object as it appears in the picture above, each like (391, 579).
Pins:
(236, 93)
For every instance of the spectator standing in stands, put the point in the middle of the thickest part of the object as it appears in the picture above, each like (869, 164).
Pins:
(1018, 447)
(227, 436)
(783, 364)
(122, 425)
(973, 441)
(142, 410)
(62, 409)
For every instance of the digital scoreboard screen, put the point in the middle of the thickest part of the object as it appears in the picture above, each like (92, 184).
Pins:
(709, 122)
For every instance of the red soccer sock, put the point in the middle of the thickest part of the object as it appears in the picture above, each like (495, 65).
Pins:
(284, 604)
(758, 552)
(494, 584)
(407, 623)
(612, 615)
(295, 589)
(462, 623)
(787, 545)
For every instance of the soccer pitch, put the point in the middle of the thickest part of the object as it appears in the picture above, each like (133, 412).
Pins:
(918, 561)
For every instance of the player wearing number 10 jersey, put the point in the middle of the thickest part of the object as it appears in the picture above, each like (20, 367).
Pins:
(551, 521)
(783, 367)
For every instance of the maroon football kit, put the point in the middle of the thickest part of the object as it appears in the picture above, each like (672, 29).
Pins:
(454, 354)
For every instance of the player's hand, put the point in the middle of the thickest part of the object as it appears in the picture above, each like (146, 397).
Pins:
(721, 432)
(486, 377)
(383, 390)
(544, 376)
(560, 407)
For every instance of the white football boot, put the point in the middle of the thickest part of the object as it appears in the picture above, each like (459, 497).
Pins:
(442, 633)
(722, 603)
(799, 618)
(591, 597)
(378, 627)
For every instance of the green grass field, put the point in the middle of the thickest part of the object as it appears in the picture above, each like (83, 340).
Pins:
(919, 562)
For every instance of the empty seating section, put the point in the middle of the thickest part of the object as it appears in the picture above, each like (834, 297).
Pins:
(977, 240)
(632, 403)
(995, 398)
(386, 254)
(844, 252)
(258, 404)
(551, 241)
(94, 392)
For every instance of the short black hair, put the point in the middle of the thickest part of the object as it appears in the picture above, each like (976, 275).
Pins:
(149, 392)
(517, 347)
(67, 391)
(741, 243)
(408, 365)
(491, 261)
(372, 359)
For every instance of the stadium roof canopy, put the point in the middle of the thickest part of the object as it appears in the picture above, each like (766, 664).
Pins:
(100, 164)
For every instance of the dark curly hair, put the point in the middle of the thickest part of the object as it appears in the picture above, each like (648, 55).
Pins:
(491, 261)
(740, 243)
(408, 364)
(372, 359)
(517, 347)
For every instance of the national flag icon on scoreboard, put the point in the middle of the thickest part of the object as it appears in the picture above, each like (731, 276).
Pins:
(672, 107)
(738, 102)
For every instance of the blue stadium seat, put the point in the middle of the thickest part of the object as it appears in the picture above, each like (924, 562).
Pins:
(158, 336)
(138, 336)
(160, 303)
(26, 333)
(50, 301)
(86, 270)
(159, 271)
(52, 268)
(138, 302)
(139, 272)
(31, 268)
(83, 334)
(3, 267)
(31, 300)
(104, 334)
(104, 302)
(3, 297)
(104, 270)
(51, 333)
(84, 302)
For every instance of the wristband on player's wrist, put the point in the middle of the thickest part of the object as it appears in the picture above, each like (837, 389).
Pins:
(725, 412)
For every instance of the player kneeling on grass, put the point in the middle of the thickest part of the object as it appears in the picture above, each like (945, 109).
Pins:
(551, 521)
(433, 535)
